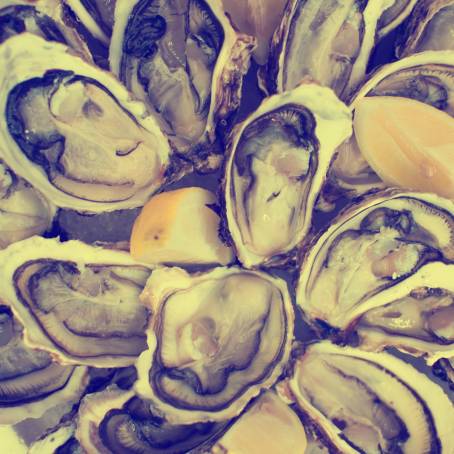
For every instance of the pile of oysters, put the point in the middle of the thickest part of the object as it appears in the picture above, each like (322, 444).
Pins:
(227, 227)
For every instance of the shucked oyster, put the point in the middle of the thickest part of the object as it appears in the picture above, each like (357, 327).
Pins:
(375, 246)
(215, 341)
(430, 27)
(184, 59)
(24, 212)
(72, 131)
(371, 402)
(329, 41)
(428, 78)
(30, 382)
(116, 421)
(44, 18)
(79, 302)
(277, 164)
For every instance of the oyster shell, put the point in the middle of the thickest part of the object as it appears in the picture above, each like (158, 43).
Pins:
(428, 28)
(186, 62)
(44, 18)
(444, 369)
(277, 163)
(330, 41)
(116, 421)
(371, 402)
(94, 316)
(215, 341)
(30, 382)
(394, 15)
(374, 246)
(427, 77)
(24, 212)
(72, 131)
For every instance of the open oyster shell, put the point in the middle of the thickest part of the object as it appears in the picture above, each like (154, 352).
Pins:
(427, 77)
(94, 316)
(187, 63)
(215, 341)
(277, 163)
(44, 18)
(72, 131)
(375, 246)
(30, 382)
(330, 41)
(428, 28)
(371, 402)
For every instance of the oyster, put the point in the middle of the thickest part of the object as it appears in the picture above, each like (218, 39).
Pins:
(24, 212)
(444, 369)
(97, 16)
(371, 402)
(329, 41)
(375, 246)
(186, 62)
(94, 316)
(427, 77)
(44, 18)
(215, 341)
(117, 421)
(394, 15)
(428, 28)
(72, 131)
(277, 163)
(30, 382)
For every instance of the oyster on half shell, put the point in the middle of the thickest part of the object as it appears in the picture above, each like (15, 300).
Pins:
(215, 341)
(276, 166)
(375, 246)
(30, 382)
(371, 402)
(73, 132)
(93, 315)
(184, 59)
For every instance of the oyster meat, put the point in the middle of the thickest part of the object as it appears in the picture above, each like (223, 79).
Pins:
(276, 166)
(215, 341)
(373, 247)
(371, 402)
(184, 59)
(94, 316)
(72, 131)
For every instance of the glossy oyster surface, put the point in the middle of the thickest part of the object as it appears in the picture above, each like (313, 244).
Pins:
(94, 316)
(117, 421)
(44, 18)
(428, 78)
(24, 212)
(329, 41)
(277, 164)
(72, 131)
(430, 27)
(373, 247)
(30, 382)
(216, 340)
(371, 402)
(186, 62)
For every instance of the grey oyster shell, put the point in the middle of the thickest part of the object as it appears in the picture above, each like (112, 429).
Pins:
(277, 163)
(184, 59)
(94, 316)
(73, 132)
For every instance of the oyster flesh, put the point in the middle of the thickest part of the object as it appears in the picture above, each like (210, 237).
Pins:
(72, 131)
(184, 59)
(24, 212)
(276, 166)
(430, 27)
(30, 382)
(94, 316)
(371, 402)
(371, 248)
(215, 341)
(329, 41)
